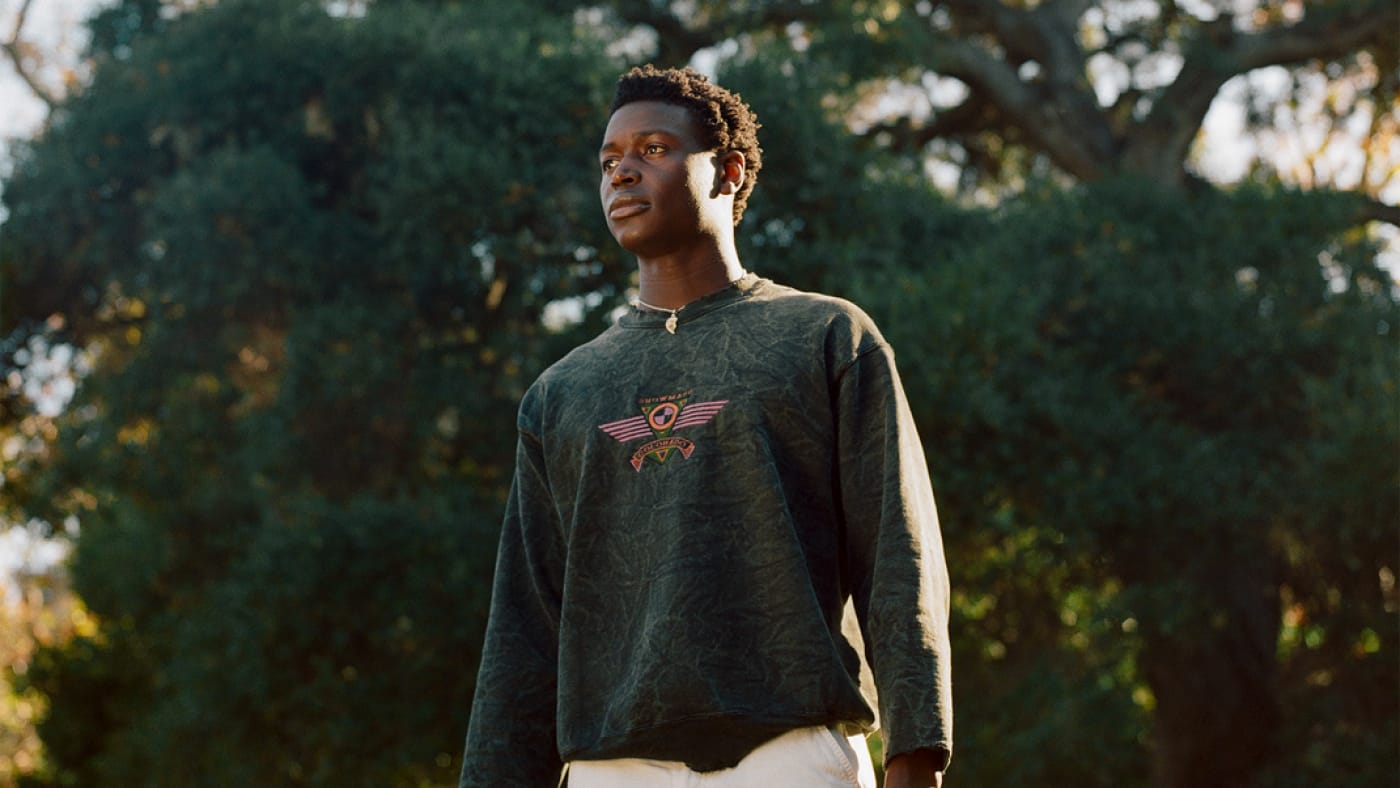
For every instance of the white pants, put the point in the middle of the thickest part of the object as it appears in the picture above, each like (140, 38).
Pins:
(804, 758)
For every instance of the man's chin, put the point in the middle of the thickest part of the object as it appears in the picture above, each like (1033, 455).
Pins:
(632, 241)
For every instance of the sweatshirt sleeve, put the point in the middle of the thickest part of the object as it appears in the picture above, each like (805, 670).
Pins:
(511, 735)
(895, 565)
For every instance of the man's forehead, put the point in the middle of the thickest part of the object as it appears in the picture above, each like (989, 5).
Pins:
(649, 117)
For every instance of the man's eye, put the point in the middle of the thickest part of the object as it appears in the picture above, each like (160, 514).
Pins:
(609, 164)
(655, 148)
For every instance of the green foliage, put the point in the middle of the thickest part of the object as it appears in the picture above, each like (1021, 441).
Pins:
(827, 207)
(310, 255)
(312, 258)
(1137, 404)
(1132, 404)
(334, 649)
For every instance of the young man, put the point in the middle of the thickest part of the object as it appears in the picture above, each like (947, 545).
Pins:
(703, 495)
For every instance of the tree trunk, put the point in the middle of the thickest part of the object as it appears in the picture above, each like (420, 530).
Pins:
(1214, 679)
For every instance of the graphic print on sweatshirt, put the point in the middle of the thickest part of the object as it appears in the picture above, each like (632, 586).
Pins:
(661, 417)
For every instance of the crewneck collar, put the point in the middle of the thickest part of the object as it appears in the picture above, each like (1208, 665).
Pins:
(741, 288)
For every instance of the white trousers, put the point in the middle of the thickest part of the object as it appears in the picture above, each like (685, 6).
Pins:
(815, 757)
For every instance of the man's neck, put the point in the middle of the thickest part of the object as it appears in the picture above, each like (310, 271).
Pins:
(672, 282)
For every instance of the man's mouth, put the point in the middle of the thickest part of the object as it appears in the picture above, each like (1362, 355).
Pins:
(624, 209)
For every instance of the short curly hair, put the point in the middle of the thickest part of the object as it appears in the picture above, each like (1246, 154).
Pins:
(725, 122)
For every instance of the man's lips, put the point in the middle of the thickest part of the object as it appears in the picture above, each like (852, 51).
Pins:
(624, 207)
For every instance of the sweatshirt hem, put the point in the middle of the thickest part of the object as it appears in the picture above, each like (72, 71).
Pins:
(731, 734)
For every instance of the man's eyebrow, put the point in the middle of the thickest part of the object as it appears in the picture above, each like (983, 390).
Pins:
(614, 144)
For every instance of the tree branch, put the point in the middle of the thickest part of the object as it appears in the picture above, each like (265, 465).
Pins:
(1013, 29)
(1053, 125)
(1160, 142)
(966, 118)
(1059, 110)
(1116, 42)
(1373, 210)
(12, 49)
(679, 41)
(676, 42)
(1323, 34)
(1070, 11)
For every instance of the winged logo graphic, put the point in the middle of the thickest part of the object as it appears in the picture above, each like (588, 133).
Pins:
(661, 417)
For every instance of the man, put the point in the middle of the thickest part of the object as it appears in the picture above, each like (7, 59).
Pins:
(699, 492)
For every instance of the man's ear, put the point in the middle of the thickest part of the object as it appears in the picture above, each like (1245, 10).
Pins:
(732, 168)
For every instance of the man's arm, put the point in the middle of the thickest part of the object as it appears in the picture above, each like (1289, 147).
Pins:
(917, 769)
(895, 565)
(511, 735)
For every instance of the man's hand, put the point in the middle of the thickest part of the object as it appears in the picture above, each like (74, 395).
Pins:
(917, 769)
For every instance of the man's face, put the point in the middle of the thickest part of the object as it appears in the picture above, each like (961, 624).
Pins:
(659, 187)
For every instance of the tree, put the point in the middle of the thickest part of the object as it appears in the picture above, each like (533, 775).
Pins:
(1009, 89)
(1130, 432)
(311, 257)
(36, 610)
(315, 259)
(1118, 386)
(1090, 92)
(25, 58)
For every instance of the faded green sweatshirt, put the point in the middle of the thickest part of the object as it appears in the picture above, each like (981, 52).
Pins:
(690, 515)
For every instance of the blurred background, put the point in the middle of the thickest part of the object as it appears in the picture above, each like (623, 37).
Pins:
(274, 274)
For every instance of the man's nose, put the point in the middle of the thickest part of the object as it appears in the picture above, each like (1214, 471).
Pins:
(624, 174)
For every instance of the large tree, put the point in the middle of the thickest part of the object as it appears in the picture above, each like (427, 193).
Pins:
(313, 261)
(1155, 422)
(1150, 423)
(1070, 91)
(1082, 88)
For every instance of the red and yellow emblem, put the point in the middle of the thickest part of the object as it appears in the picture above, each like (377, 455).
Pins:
(661, 417)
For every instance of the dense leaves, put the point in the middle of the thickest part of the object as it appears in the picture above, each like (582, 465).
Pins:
(312, 260)
(1010, 90)
(1125, 397)
(313, 281)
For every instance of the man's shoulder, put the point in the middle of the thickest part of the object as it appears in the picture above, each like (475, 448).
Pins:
(817, 303)
(584, 360)
(586, 366)
(837, 317)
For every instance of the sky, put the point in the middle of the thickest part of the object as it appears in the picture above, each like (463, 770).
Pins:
(56, 29)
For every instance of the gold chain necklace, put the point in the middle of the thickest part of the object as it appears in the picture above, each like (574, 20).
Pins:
(672, 320)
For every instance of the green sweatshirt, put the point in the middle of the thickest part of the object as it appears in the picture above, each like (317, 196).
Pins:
(691, 513)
